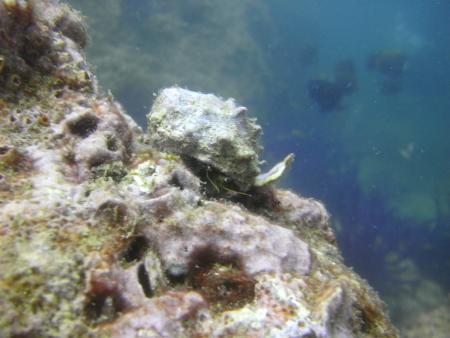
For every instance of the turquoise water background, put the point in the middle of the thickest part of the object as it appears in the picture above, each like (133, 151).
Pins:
(380, 163)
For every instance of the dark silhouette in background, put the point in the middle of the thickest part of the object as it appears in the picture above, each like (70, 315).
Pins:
(328, 93)
(391, 65)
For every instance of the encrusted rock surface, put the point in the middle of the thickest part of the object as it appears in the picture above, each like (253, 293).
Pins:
(103, 236)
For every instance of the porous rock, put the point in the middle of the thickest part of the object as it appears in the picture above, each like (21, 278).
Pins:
(234, 236)
(101, 235)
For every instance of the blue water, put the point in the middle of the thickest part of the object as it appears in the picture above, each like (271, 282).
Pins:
(391, 208)
(379, 159)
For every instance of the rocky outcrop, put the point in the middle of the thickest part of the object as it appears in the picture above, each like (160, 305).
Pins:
(101, 234)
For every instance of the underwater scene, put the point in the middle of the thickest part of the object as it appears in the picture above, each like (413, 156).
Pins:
(358, 90)
(138, 200)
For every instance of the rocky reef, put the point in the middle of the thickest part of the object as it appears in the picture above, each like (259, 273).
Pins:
(104, 235)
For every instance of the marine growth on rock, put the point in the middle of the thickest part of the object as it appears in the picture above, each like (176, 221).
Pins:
(104, 236)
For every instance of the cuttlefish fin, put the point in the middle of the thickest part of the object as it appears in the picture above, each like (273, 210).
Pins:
(275, 173)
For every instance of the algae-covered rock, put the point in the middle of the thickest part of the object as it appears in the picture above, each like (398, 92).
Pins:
(103, 236)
